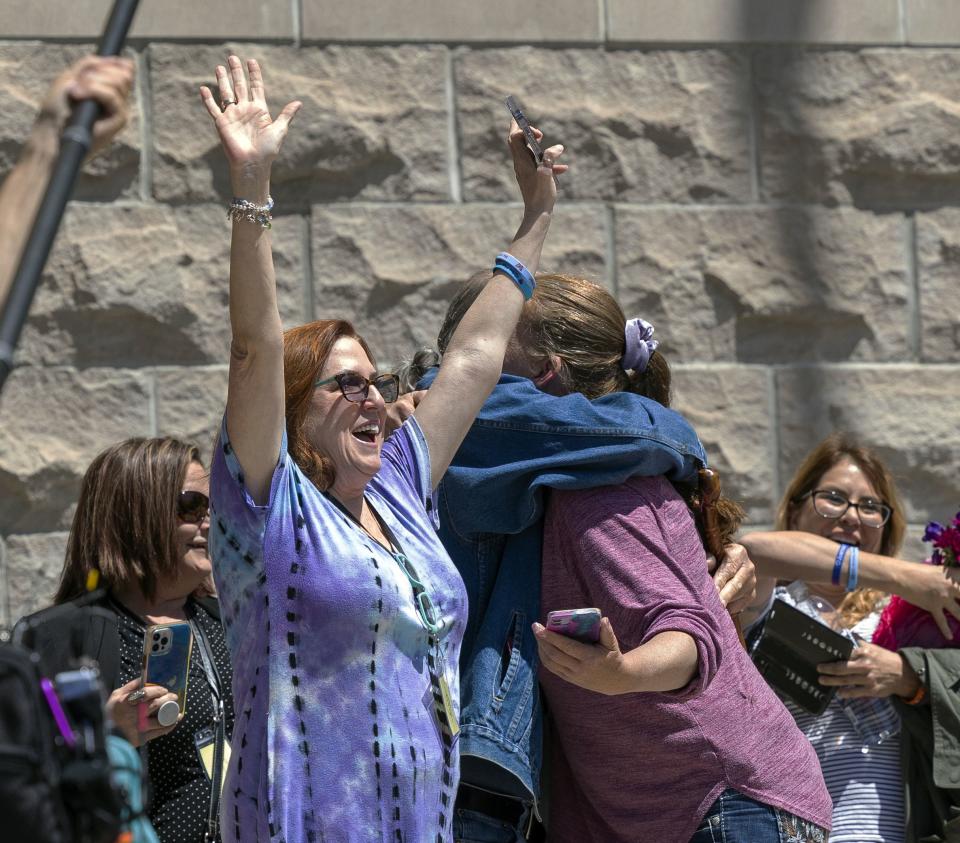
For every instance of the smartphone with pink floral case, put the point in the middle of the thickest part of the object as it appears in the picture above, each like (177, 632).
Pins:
(579, 624)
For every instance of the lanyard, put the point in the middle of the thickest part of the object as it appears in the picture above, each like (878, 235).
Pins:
(212, 676)
(423, 602)
(210, 671)
(426, 611)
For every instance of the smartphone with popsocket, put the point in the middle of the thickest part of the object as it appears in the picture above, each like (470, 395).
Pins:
(579, 624)
(167, 648)
(514, 108)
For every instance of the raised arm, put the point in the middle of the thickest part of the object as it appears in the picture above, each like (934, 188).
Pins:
(796, 555)
(251, 141)
(474, 357)
(107, 80)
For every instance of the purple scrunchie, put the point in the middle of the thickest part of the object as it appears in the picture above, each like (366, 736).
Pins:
(640, 346)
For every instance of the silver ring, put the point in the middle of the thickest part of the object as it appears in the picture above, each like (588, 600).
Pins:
(136, 696)
(227, 104)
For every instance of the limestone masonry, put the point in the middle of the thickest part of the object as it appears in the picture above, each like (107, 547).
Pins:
(775, 186)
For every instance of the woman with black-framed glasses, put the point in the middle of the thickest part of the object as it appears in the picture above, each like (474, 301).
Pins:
(839, 528)
(140, 531)
(834, 505)
(343, 611)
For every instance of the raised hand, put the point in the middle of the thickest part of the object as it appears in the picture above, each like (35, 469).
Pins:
(935, 588)
(251, 139)
(537, 184)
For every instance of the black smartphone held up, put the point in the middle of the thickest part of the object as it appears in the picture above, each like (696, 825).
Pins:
(514, 108)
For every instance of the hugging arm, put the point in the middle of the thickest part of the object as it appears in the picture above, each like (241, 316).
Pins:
(735, 578)
(796, 555)
(667, 662)
(645, 583)
(474, 357)
(251, 140)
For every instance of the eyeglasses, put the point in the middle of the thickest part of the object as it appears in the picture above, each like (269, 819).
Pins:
(356, 387)
(426, 610)
(193, 507)
(830, 504)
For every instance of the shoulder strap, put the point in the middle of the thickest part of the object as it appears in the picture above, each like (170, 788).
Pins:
(217, 691)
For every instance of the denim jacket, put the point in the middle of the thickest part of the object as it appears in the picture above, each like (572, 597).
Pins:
(491, 504)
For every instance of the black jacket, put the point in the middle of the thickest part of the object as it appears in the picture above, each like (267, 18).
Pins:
(930, 747)
(87, 627)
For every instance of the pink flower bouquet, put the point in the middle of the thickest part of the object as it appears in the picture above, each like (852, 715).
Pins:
(904, 625)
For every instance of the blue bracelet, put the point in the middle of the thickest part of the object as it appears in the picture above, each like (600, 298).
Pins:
(516, 272)
(838, 563)
(854, 570)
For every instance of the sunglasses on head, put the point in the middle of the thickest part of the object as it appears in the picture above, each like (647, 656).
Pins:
(356, 387)
(193, 507)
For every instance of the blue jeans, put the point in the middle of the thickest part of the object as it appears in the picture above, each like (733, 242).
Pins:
(735, 818)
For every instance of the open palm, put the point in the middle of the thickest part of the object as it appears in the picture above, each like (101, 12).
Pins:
(250, 138)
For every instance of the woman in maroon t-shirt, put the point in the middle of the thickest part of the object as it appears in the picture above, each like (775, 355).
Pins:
(664, 731)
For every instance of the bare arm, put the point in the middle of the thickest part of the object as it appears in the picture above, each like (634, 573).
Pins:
(667, 662)
(108, 81)
(795, 555)
(474, 358)
(255, 397)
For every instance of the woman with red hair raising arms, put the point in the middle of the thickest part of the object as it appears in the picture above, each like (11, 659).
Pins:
(344, 614)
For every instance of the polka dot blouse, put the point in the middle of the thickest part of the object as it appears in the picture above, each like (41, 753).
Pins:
(179, 793)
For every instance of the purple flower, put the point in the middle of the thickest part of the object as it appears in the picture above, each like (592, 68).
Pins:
(950, 540)
(933, 532)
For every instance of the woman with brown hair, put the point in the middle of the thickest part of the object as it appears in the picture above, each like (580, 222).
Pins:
(140, 530)
(664, 730)
(839, 527)
(343, 612)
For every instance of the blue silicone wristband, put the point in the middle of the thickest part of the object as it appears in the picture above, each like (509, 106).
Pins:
(516, 272)
(853, 570)
(838, 563)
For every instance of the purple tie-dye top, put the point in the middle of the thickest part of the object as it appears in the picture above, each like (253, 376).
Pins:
(336, 736)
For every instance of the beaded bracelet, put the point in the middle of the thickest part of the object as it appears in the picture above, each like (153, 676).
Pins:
(243, 209)
(516, 272)
(838, 563)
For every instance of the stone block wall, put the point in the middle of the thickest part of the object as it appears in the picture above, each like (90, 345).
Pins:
(774, 183)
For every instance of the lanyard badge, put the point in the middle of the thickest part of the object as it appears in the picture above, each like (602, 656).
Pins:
(432, 620)
(205, 741)
(443, 700)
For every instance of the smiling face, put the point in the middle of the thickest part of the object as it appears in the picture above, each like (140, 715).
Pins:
(348, 433)
(850, 481)
(191, 537)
